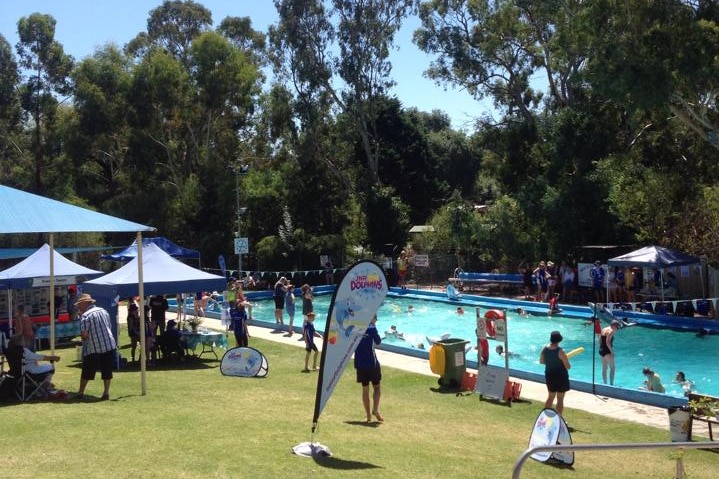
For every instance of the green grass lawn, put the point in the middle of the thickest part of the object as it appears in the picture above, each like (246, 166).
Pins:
(194, 422)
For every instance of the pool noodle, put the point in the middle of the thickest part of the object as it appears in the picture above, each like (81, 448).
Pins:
(574, 352)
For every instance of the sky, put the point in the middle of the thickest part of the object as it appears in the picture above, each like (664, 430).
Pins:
(85, 25)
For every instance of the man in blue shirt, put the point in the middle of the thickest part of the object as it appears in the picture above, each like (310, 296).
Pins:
(369, 370)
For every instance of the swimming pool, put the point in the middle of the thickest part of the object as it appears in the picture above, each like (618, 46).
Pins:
(666, 351)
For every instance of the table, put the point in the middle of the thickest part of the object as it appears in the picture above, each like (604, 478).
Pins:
(208, 340)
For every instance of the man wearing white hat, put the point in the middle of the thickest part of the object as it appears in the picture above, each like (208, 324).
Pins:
(99, 349)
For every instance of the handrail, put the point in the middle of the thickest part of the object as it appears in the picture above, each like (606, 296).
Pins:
(586, 447)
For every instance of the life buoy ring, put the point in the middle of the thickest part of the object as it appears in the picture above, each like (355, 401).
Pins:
(494, 314)
(436, 359)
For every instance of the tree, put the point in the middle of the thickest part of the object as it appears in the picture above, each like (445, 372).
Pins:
(355, 77)
(9, 113)
(658, 55)
(172, 27)
(47, 78)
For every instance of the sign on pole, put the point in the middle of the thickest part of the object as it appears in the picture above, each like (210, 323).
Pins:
(242, 246)
(421, 260)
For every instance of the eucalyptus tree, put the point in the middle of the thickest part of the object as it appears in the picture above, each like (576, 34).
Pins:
(172, 26)
(9, 113)
(339, 50)
(335, 54)
(100, 139)
(658, 55)
(44, 84)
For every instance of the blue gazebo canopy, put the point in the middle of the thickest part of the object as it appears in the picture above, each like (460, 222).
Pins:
(174, 250)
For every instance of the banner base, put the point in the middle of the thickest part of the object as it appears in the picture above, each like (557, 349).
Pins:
(311, 449)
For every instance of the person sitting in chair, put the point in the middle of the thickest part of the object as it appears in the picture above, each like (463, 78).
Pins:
(40, 373)
(171, 341)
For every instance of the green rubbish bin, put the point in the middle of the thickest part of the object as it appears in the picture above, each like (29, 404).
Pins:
(454, 362)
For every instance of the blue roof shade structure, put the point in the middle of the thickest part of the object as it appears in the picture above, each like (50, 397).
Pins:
(654, 257)
(162, 274)
(165, 244)
(22, 212)
(34, 271)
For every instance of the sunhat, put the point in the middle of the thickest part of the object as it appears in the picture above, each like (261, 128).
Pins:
(84, 297)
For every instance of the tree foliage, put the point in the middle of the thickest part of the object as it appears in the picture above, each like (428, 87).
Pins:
(605, 128)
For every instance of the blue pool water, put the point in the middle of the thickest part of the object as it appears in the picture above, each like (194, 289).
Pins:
(663, 350)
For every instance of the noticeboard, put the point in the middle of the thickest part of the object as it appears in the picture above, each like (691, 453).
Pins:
(491, 381)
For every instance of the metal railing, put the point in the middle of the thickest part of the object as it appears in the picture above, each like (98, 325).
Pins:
(601, 447)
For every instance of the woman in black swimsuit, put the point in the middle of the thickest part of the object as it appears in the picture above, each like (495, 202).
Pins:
(606, 351)
(556, 371)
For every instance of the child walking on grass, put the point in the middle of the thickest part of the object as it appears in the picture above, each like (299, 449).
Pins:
(308, 333)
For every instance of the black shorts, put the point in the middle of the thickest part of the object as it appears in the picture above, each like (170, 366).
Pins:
(103, 362)
(371, 375)
(279, 302)
(311, 347)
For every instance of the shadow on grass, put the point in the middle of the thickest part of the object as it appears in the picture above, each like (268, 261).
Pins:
(364, 423)
(332, 462)
(442, 390)
(164, 365)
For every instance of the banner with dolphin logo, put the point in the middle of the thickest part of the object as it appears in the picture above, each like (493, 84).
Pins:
(353, 305)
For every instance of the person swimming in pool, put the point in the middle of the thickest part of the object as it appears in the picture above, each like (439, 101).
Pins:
(687, 385)
(500, 351)
(460, 310)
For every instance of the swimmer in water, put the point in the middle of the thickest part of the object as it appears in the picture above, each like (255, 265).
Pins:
(501, 352)
(410, 309)
(522, 312)
(460, 310)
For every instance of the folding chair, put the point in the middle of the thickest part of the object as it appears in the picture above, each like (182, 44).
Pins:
(28, 385)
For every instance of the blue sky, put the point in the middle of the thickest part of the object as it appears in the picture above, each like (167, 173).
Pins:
(84, 25)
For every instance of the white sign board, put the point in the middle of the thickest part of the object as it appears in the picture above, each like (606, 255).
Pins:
(421, 260)
(481, 326)
(500, 329)
(491, 381)
(242, 246)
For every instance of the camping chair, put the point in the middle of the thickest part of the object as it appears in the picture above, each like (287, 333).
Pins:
(28, 385)
(169, 345)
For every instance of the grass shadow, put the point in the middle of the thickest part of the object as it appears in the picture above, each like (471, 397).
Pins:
(373, 424)
(332, 462)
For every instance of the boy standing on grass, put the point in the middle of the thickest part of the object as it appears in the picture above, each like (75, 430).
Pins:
(238, 317)
(308, 333)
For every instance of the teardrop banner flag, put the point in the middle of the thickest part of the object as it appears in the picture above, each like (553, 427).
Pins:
(353, 305)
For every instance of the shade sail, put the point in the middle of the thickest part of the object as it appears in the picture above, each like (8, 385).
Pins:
(162, 274)
(654, 257)
(174, 250)
(34, 271)
(22, 212)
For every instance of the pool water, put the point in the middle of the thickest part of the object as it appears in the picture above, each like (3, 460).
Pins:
(664, 350)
